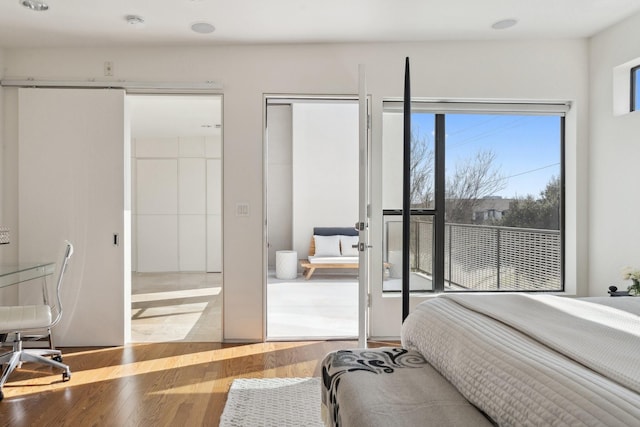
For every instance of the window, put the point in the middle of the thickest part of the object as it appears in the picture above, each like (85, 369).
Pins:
(635, 88)
(500, 220)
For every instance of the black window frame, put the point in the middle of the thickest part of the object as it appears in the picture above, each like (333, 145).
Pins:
(437, 212)
(635, 75)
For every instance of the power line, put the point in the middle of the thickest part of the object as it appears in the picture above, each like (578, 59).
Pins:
(496, 130)
(532, 170)
(504, 178)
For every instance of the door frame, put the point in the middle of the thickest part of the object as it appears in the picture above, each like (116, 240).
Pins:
(265, 249)
(195, 93)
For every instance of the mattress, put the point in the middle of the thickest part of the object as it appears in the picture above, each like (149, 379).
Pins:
(533, 359)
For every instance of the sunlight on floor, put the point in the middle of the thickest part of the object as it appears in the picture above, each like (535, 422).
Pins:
(322, 307)
(186, 293)
(176, 307)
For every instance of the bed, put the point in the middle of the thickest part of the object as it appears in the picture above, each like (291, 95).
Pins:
(515, 359)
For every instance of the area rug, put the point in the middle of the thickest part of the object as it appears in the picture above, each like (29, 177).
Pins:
(281, 402)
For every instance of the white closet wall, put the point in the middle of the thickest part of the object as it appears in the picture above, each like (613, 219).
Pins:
(177, 214)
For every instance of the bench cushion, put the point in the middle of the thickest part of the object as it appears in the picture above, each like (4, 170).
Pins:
(335, 231)
(333, 260)
(391, 386)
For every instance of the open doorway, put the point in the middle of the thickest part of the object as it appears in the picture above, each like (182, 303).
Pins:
(176, 161)
(312, 183)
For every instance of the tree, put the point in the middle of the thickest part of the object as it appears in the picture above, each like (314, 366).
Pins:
(541, 213)
(421, 170)
(474, 178)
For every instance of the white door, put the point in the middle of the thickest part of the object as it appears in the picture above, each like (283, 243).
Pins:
(73, 160)
(214, 215)
(364, 207)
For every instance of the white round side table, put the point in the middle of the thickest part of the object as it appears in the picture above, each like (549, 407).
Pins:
(395, 259)
(286, 264)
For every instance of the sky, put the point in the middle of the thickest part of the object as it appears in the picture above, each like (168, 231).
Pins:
(527, 148)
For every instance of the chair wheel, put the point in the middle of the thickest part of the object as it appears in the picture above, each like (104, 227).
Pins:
(57, 358)
(66, 376)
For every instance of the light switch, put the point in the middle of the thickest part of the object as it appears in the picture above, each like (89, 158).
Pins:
(242, 209)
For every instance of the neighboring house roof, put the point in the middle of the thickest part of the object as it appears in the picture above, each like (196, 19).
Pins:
(497, 204)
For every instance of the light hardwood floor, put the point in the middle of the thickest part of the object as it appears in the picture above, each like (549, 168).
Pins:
(158, 384)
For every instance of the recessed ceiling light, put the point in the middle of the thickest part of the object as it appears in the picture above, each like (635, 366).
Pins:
(134, 20)
(203, 28)
(504, 24)
(37, 5)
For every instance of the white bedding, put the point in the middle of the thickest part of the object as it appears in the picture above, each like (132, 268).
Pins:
(534, 360)
(629, 304)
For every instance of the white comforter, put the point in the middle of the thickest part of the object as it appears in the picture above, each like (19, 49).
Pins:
(534, 360)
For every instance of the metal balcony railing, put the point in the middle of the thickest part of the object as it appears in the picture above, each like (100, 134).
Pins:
(489, 258)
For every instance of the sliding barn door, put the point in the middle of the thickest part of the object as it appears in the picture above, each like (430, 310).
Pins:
(73, 155)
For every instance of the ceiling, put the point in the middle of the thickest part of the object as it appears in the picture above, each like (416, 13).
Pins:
(77, 23)
(100, 23)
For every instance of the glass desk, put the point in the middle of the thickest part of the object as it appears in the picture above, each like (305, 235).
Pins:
(16, 273)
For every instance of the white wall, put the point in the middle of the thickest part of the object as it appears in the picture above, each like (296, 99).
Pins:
(10, 185)
(312, 171)
(325, 169)
(177, 215)
(614, 205)
(1, 149)
(544, 69)
(392, 175)
(279, 180)
(7, 295)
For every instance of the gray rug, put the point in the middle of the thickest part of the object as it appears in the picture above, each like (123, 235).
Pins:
(281, 402)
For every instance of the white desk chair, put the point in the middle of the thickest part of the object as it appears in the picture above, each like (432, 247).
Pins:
(18, 320)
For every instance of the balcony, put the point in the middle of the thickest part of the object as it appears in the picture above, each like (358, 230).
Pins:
(480, 258)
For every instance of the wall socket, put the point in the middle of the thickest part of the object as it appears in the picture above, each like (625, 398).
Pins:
(108, 68)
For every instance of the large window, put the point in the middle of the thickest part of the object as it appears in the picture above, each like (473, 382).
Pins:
(499, 226)
(635, 88)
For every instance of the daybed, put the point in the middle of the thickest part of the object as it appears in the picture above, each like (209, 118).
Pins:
(507, 359)
(330, 248)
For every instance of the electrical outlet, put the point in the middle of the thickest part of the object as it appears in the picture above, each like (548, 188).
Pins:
(108, 68)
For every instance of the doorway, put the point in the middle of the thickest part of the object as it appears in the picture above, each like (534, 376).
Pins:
(176, 162)
(311, 181)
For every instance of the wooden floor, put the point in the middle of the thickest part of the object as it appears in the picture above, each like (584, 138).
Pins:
(165, 384)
